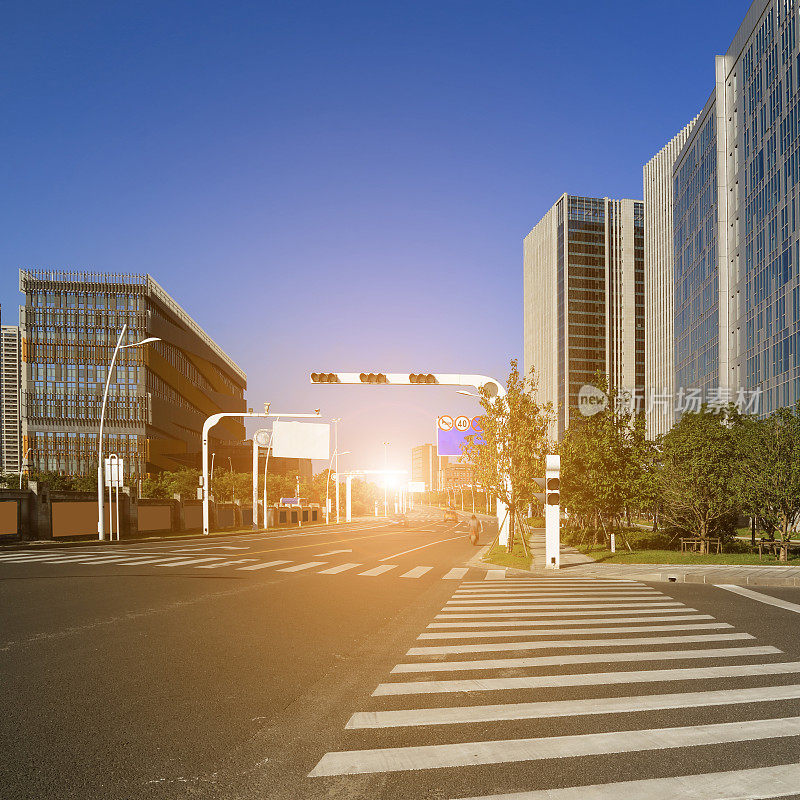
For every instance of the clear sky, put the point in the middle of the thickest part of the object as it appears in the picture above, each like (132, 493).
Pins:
(335, 185)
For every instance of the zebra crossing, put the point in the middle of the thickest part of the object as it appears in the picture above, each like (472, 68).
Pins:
(238, 562)
(569, 650)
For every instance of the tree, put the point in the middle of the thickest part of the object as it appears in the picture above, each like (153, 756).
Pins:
(768, 458)
(607, 465)
(700, 473)
(515, 442)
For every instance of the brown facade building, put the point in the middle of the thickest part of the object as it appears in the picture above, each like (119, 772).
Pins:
(160, 393)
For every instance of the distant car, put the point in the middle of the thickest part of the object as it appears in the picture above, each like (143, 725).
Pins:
(401, 520)
(450, 515)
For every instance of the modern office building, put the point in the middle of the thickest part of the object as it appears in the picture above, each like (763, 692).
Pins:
(11, 455)
(736, 243)
(659, 294)
(584, 299)
(425, 465)
(159, 395)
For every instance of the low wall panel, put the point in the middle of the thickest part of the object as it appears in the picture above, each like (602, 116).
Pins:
(154, 518)
(193, 517)
(9, 516)
(77, 518)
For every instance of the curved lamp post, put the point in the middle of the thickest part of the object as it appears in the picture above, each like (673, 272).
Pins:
(101, 531)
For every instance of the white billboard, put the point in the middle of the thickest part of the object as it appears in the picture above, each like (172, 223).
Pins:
(301, 440)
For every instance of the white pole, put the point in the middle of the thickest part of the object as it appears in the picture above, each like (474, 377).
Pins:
(255, 484)
(348, 496)
(22, 466)
(266, 463)
(101, 530)
(336, 456)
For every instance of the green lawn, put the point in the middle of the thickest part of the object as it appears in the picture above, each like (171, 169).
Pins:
(675, 557)
(516, 558)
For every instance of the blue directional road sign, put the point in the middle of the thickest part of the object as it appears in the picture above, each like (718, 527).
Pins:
(454, 432)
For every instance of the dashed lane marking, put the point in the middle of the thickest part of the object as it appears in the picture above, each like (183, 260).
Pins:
(264, 565)
(417, 572)
(301, 567)
(455, 573)
(371, 573)
(338, 568)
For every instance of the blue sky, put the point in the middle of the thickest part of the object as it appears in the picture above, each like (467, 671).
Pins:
(335, 185)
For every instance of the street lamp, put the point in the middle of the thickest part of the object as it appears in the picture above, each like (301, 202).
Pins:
(22, 466)
(385, 466)
(335, 455)
(336, 422)
(101, 530)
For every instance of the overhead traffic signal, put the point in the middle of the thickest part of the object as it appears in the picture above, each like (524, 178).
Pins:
(324, 377)
(373, 377)
(422, 378)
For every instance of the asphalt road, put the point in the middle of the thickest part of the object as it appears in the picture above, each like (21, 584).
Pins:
(151, 677)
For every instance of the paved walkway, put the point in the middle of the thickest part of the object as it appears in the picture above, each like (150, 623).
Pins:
(575, 564)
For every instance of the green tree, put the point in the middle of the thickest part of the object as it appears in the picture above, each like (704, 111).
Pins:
(516, 440)
(699, 479)
(768, 458)
(608, 466)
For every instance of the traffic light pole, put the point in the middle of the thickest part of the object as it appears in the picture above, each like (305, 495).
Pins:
(492, 385)
(552, 513)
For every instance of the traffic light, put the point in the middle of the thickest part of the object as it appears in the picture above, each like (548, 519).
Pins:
(422, 378)
(324, 377)
(553, 493)
(373, 377)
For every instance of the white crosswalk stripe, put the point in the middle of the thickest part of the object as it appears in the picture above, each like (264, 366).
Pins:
(301, 567)
(417, 572)
(371, 573)
(338, 568)
(587, 627)
(455, 573)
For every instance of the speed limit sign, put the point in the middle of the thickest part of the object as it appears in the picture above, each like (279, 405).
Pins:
(462, 423)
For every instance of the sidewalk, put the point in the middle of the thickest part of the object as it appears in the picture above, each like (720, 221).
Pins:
(576, 565)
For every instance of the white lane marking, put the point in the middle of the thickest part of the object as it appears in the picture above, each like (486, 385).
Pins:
(226, 563)
(474, 594)
(569, 708)
(566, 613)
(337, 569)
(586, 679)
(396, 759)
(414, 549)
(334, 552)
(417, 572)
(300, 567)
(494, 574)
(371, 573)
(562, 607)
(762, 598)
(188, 562)
(264, 565)
(548, 582)
(762, 783)
(559, 644)
(583, 658)
(613, 601)
(603, 621)
(455, 573)
(556, 631)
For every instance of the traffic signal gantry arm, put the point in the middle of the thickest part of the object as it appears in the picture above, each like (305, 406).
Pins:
(494, 387)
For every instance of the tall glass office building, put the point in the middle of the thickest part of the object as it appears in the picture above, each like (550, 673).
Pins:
(159, 395)
(584, 299)
(736, 209)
